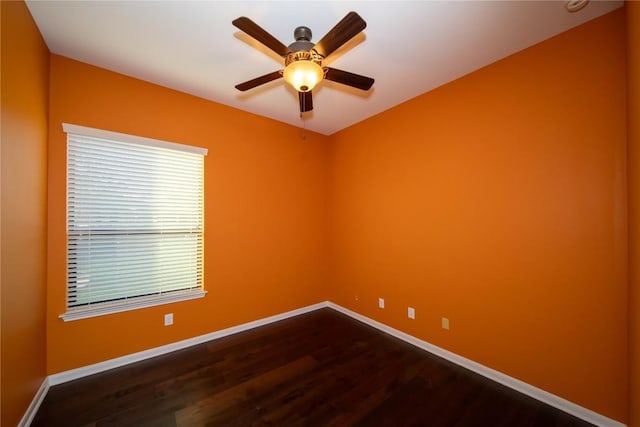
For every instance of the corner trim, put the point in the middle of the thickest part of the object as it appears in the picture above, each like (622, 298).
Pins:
(32, 410)
(84, 371)
(513, 383)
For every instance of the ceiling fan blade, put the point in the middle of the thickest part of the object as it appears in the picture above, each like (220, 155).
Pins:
(259, 81)
(306, 101)
(343, 31)
(349, 79)
(254, 30)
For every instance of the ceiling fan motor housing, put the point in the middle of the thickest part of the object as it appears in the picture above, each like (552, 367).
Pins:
(302, 36)
(302, 50)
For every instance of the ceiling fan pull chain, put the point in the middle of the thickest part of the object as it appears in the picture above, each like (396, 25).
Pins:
(303, 133)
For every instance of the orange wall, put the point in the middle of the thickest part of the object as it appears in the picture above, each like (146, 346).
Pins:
(25, 74)
(265, 210)
(633, 137)
(498, 201)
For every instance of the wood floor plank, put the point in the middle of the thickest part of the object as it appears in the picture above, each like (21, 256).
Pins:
(207, 409)
(322, 368)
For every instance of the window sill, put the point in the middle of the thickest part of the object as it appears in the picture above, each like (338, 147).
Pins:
(127, 305)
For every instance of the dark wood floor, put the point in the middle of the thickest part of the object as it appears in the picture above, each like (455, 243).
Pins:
(319, 369)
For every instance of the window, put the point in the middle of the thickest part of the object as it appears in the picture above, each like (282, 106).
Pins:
(135, 222)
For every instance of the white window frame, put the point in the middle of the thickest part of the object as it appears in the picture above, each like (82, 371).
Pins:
(133, 302)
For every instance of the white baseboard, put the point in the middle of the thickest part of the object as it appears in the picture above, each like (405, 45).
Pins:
(28, 416)
(84, 371)
(513, 383)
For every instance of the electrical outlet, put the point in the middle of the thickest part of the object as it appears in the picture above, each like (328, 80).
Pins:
(411, 313)
(445, 323)
(380, 302)
(168, 319)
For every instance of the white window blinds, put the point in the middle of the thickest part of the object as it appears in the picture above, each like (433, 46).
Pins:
(135, 221)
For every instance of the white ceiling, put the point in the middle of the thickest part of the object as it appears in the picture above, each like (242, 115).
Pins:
(409, 47)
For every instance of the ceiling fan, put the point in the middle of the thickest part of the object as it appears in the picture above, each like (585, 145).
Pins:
(303, 59)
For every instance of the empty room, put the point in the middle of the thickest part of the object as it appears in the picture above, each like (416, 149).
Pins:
(394, 213)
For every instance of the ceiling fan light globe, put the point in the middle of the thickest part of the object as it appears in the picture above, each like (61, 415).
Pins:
(303, 75)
